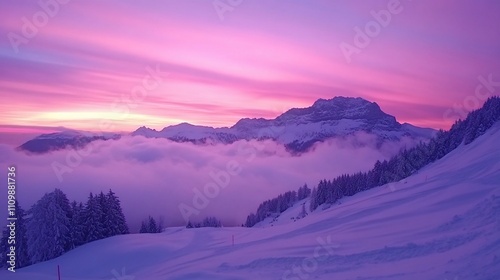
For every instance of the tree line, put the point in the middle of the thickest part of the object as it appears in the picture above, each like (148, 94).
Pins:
(207, 222)
(277, 205)
(150, 225)
(53, 226)
(400, 166)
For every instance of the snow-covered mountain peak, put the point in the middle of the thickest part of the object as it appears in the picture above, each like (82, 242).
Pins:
(185, 126)
(341, 100)
(182, 125)
(249, 123)
(335, 109)
(298, 129)
(145, 131)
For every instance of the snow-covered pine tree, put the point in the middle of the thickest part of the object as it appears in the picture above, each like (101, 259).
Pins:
(105, 219)
(4, 247)
(251, 220)
(211, 222)
(38, 230)
(300, 194)
(336, 192)
(118, 223)
(152, 227)
(93, 215)
(321, 192)
(306, 191)
(303, 212)
(314, 203)
(77, 224)
(61, 222)
(22, 255)
(48, 229)
(144, 227)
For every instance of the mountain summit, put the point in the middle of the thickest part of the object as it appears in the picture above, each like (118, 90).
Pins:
(299, 128)
(337, 108)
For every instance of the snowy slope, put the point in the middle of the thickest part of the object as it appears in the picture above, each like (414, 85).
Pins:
(441, 223)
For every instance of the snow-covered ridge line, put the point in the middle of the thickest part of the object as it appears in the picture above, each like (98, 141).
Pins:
(440, 223)
(66, 139)
(299, 128)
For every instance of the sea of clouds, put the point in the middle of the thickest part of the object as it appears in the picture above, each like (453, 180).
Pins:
(179, 181)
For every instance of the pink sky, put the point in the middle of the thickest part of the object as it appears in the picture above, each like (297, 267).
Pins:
(262, 59)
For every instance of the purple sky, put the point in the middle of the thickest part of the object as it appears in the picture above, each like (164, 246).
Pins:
(261, 59)
(159, 63)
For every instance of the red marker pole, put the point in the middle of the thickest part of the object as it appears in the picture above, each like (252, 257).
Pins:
(58, 272)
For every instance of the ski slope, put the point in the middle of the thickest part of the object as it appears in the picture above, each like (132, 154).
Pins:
(441, 223)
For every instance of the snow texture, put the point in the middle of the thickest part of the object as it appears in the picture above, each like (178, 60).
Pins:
(441, 223)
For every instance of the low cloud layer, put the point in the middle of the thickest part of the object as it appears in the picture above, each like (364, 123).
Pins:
(157, 177)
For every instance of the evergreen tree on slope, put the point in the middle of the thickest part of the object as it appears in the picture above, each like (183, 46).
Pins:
(116, 222)
(93, 216)
(48, 229)
(77, 224)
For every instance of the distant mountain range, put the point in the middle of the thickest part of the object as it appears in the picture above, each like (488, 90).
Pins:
(298, 129)
(62, 140)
